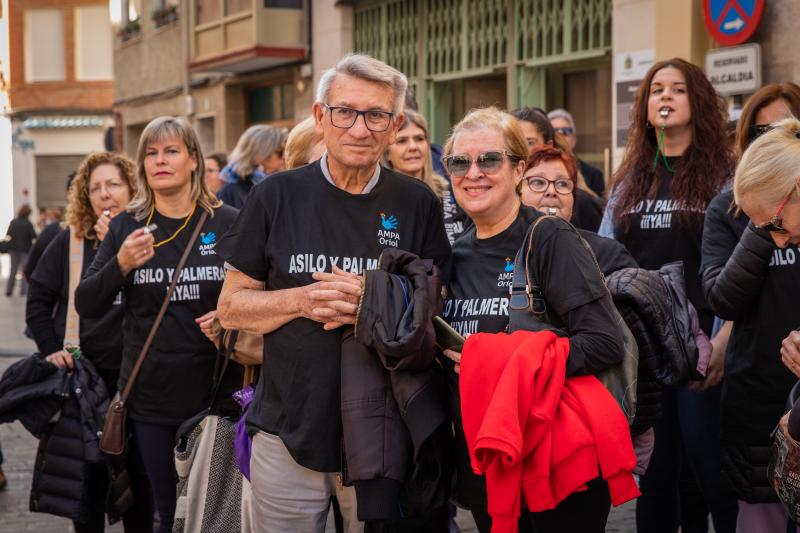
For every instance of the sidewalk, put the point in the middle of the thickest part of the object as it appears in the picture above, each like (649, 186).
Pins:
(12, 326)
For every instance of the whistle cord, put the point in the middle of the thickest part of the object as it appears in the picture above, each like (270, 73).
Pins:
(660, 151)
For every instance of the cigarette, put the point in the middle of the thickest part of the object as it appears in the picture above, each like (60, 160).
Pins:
(150, 228)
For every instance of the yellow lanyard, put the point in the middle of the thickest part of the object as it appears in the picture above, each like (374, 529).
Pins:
(185, 222)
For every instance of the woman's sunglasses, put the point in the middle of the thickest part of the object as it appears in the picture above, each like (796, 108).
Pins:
(488, 162)
(775, 224)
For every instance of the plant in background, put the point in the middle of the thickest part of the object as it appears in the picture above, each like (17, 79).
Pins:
(131, 29)
(165, 15)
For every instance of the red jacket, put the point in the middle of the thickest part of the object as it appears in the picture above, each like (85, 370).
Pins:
(532, 432)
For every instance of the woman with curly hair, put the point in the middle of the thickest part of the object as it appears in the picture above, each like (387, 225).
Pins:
(678, 158)
(100, 191)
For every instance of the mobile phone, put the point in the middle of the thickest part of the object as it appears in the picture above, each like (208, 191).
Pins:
(446, 337)
(150, 228)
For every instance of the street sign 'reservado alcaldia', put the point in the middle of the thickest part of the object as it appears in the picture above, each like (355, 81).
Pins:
(735, 70)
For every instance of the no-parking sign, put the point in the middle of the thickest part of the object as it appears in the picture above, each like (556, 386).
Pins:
(732, 22)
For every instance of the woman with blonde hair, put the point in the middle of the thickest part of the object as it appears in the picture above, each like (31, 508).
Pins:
(486, 157)
(747, 294)
(410, 154)
(304, 144)
(101, 190)
(258, 153)
(138, 257)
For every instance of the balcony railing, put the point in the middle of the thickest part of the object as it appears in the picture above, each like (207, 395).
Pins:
(242, 35)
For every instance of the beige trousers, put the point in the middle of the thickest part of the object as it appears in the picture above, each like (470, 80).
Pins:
(290, 497)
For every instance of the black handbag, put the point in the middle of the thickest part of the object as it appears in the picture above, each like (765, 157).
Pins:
(783, 471)
(528, 311)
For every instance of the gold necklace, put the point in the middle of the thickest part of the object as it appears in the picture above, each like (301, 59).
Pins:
(185, 222)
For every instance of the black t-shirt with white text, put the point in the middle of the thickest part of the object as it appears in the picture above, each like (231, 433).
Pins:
(296, 223)
(656, 235)
(176, 377)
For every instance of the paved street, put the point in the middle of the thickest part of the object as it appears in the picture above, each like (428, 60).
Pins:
(19, 448)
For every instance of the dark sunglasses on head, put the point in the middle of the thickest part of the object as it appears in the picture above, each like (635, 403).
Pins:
(564, 131)
(458, 165)
(757, 130)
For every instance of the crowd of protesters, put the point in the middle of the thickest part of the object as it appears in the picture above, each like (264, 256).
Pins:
(442, 325)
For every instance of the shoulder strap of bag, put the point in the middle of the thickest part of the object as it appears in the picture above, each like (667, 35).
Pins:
(224, 356)
(72, 331)
(138, 366)
(525, 292)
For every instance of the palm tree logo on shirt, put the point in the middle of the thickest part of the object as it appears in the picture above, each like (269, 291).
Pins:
(509, 265)
(389, 223)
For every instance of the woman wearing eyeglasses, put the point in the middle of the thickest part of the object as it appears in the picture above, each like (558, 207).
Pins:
(678, 158)
(410, 154)
(538, 131)
(485, 157)
(549, 185)
(747, 279)
(258, 153)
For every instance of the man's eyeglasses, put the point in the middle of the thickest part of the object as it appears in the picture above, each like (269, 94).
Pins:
(775, 224)
(539, 184)
(345, 117)
(489, 162)
(565, 131)
(757, 130)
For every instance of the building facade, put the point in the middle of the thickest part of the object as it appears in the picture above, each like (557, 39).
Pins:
(59, 92)
(461, 54)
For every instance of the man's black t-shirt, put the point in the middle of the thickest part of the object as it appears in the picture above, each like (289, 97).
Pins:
(296, 223)
(46, 309)
(176, 377)
(656, 235)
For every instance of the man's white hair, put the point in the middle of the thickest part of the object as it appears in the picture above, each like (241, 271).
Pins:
(367, 68)
(566, 115)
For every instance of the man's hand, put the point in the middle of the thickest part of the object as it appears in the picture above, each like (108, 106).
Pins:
(61, 359)
(790, 354)
(334, 299)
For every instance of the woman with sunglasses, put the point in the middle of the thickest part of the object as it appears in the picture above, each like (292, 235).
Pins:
(258, 153)
(588, 209)
(485, 157)
(678, 158)
(746, 279)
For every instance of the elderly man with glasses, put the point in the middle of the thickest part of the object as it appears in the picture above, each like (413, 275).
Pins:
(563, 123)
(295, 255)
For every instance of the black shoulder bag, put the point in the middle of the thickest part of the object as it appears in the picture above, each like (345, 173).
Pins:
(528, 311)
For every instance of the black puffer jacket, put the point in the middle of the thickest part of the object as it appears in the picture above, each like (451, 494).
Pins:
(748, 280)
(36, 393)
(395, 422)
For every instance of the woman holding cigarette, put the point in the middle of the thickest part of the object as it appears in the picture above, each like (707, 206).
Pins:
(100, 191)
(138, 257)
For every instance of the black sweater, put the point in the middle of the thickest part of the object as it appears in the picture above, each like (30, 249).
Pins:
(46, 310)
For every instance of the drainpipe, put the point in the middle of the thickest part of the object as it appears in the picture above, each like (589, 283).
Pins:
(188, 101)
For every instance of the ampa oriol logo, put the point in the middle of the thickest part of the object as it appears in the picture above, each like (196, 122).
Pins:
(732, 22)
(207, 243)
(507, 274)
(388, 234)
(509, 265)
